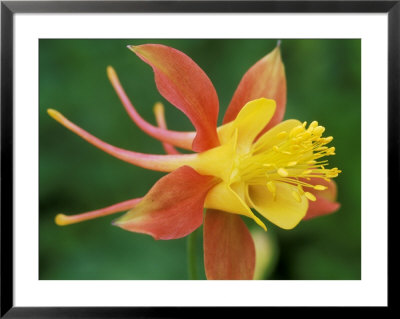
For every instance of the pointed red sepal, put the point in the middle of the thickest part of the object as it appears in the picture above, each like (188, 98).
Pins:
(325, 202)
(229, 251)
(173, 208)
(265, 79)
(185, 85)
(320, 207)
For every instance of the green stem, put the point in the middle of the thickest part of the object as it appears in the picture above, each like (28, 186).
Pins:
(191, 249)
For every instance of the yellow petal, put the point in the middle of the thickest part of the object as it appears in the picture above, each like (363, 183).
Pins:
(217, 161)
(275, 135)
(283, 210)
(222, 197)
(252, 118)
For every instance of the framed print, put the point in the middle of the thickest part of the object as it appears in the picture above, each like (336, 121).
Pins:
(162, 156)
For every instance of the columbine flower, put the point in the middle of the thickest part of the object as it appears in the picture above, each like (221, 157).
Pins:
(252, 161)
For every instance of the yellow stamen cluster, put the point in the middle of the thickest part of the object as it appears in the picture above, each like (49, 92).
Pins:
(294, 159)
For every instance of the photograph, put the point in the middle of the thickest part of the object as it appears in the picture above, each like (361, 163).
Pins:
(199, 159)
(160, 158)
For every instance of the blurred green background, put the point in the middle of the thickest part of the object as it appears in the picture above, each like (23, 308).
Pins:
(324, 84)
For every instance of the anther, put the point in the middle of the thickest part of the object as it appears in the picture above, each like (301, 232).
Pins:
(296, 130)
(319, 130)
(310, 196)
(305, 136)
(313, 124)
(282, 134)
(328, 139)
(331, 151)
(282, 172)
(320, 187)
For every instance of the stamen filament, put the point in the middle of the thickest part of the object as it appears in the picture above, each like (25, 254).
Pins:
(293, 160)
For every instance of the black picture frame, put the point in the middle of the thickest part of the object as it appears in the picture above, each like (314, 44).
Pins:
(9, 8)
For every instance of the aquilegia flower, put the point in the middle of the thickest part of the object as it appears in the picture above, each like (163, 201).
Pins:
(253, 161)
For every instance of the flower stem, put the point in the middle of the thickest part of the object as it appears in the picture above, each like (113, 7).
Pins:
(191, 249)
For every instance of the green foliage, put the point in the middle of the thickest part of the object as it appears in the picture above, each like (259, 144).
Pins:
(324, 84)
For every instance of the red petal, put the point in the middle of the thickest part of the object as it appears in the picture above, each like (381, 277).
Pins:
(229, 251)
(184, 84)
(173, 208)
(265, 79)
(325, 200)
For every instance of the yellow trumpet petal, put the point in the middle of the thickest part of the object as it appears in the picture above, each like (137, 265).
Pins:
(217, 161)
(281, 207)
(252, 118)
(222, 197)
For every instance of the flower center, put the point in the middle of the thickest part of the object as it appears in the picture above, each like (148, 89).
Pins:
(294, 158)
